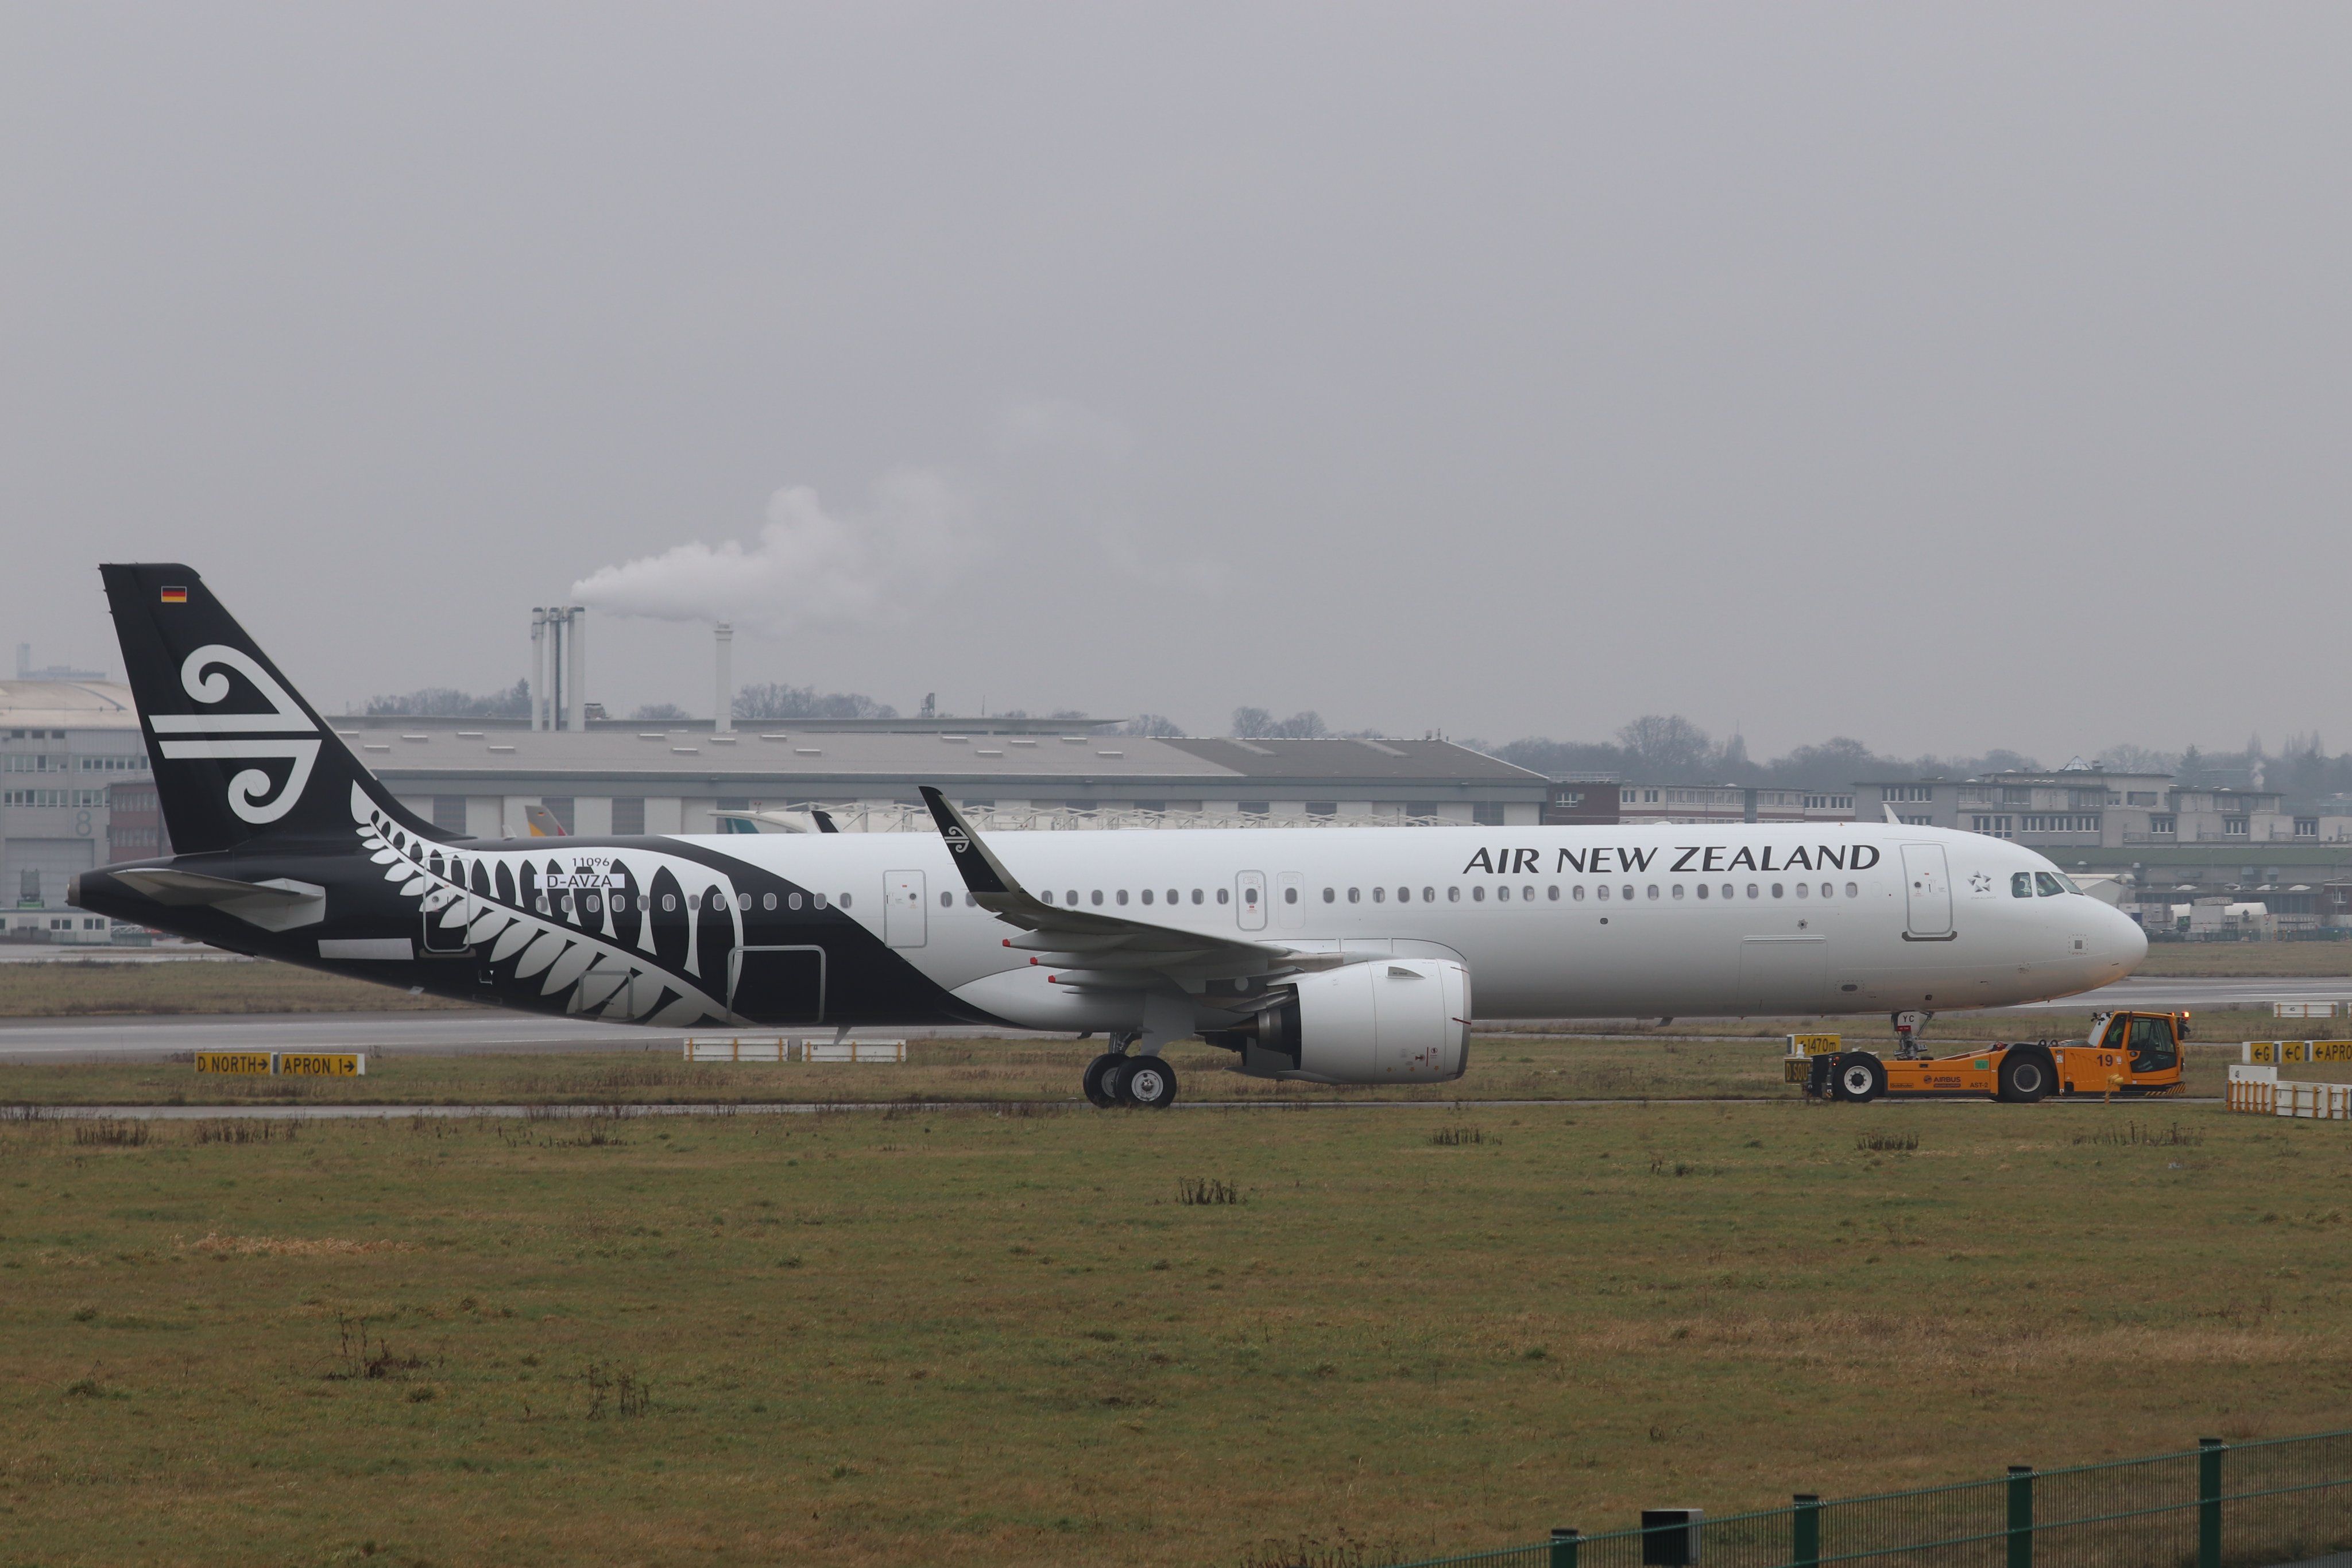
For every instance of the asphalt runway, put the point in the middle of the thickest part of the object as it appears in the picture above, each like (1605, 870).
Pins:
(483, 1031)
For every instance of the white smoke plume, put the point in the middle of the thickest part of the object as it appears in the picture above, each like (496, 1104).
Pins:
(806, 567)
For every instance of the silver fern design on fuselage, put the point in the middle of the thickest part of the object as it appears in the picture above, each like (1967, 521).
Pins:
(524, 907)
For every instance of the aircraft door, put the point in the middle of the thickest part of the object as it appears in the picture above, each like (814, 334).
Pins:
(1928, 891)
(1290, 908)
(446, 920)
(1249, 893)
(904, 917)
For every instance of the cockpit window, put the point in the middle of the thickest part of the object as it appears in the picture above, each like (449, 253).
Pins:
(2020, 884)
(2050, 886)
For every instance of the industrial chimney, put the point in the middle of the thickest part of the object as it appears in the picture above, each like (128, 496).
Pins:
(575, 685)
(537, 669)
(725, 637)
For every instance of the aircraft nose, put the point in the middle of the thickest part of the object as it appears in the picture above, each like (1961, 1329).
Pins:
(2121, 937)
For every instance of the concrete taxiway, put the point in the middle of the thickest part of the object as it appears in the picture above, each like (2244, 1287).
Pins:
(473, 1031)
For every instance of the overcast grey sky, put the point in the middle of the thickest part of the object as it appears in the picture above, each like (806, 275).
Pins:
(1949, 376)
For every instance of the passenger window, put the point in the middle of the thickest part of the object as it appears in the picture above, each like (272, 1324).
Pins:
(946, 901)
(1355, 895)
(1452, 896)
(1577, 892)
(1380, 895)
(1852, 890)
(2046, 884)
(2020, 884)
(1527, 894)
(818, 899)
(1196, 895)
(1122, 895)
(1429, 895)
(1223, 896)
(1097, 898)
(1070, 898)
(1728, 891)
(1753, 891)
(1552, 892)
(1404, 895)
(1249, 895)
(693, 903)
(1171, 896)
(1776, 890)
(1653, 889)
(1829, 889)
(1503, 895)
(1678, 890)
(1479, 895)
(1147, 897)
(1601, 892)
(1289, 896)
(792, 899)
(971, 901)
(1330, 895)
(845, 900)
(1629, 890)
(1702, 889)
(1803, 892)
(767, 900)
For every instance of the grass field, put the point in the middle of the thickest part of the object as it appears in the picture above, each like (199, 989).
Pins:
(971, 1337)
(2214, 959)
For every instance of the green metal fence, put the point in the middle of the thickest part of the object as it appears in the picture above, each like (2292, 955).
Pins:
(2218, 1505)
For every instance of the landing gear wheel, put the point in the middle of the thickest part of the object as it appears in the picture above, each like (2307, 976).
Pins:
(2025, 1078)
(1860, 1078)
(1149, 1083)
(1098, 1079)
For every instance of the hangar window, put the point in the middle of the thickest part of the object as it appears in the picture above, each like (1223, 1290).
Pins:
(1355, 895)
(2020, 884)
(1479, 895)
(1678, 890)
(1577, 892)
(1852, 891)
(1330, 895)
(767, 900)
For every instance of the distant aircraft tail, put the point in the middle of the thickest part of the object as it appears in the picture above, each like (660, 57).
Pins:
(238, 755)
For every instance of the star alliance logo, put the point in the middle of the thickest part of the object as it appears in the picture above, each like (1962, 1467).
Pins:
(1980, 882)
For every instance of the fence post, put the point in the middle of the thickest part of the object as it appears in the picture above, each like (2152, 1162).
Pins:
(2209, 1502)
(1805, 1531)
(2021, 1516)
(1563, 1548)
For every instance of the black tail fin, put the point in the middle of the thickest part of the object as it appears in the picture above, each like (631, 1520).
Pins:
(238, 753)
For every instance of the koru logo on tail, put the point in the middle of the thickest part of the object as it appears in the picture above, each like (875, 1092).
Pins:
(282, 735)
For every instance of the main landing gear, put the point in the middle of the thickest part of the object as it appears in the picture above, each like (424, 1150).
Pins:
(1114, 1078)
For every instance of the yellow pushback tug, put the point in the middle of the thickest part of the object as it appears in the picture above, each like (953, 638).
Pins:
(2133, 1053)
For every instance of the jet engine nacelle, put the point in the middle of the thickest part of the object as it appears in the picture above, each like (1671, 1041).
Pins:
(1384, 1020)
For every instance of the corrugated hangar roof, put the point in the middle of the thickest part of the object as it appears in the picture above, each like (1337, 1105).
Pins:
(75, 704)
(1400, 761)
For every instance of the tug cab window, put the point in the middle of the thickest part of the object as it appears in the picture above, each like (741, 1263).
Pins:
(2152, 1046)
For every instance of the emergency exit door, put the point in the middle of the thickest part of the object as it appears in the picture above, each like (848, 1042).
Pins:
(1928, 893)
(1249, 890)
(904, 917)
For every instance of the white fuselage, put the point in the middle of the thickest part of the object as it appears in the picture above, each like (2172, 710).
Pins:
(1664, 920)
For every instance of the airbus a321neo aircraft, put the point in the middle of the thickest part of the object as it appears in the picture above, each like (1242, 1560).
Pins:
(1340, 955)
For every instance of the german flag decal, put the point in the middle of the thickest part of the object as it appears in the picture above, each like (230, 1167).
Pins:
(175, 596)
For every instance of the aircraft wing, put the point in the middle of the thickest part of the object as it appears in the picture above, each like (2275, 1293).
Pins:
(1086, 947)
